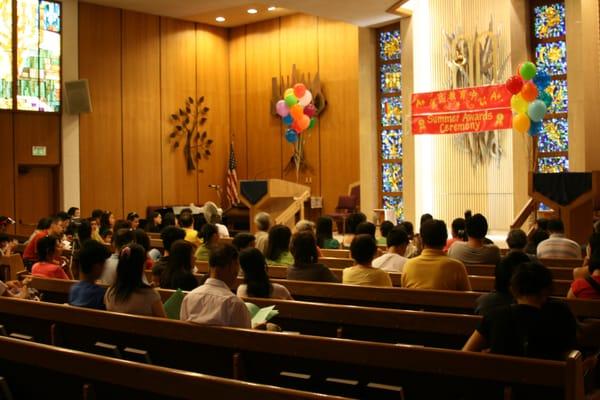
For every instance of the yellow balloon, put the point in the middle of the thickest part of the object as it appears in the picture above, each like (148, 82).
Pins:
(521, 123)
(288, 92)
(519, 104)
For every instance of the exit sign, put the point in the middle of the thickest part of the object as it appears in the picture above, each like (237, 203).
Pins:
(38, 151)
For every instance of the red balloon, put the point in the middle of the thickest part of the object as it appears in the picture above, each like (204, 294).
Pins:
(514, 84)
(310, 110)
(296, 126)
(299, 89)
(529, 92)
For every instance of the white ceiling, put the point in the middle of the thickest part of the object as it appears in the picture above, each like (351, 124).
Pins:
(358, 12)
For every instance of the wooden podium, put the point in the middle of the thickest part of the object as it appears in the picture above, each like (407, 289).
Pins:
(574, 197)
(283, 200)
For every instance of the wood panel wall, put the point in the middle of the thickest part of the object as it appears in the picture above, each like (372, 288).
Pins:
(7, 200)
(156, 63)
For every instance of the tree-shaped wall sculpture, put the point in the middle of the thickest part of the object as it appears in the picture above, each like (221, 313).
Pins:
(188, 125)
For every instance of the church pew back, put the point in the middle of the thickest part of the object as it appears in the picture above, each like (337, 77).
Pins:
(264, 357)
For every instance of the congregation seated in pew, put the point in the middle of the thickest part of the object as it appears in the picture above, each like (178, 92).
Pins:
(588, 286)
(209, 237)
(169, 235)
(243, 241)
(324, 232)
(384, 229)
(557, 245)
(393, 260)
(186, 222)
(352, 223)
(278, 247)
(516, 240)
(363, 250)
(262, 222)
(50, 264)
(256, 280)
(306, 266)
(475, 250)
(121, 239)
(457, 231)
(178, 273)
(54, 227)
(86, 293)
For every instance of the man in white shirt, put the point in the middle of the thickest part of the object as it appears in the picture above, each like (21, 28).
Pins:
(214, 303)
(393, 260)
(121, 239)
(557, 245)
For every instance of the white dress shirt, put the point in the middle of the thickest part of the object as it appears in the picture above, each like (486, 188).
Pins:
(214, 304)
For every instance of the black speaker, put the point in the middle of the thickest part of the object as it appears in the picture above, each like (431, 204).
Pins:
(77, 96)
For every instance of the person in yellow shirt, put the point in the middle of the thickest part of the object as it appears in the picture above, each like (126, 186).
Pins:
(363, 249)
(186, 221)
(433, 269)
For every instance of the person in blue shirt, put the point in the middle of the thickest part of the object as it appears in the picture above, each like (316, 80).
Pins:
(86, 293)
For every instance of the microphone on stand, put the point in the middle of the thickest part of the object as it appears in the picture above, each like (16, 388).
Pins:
(217, 187)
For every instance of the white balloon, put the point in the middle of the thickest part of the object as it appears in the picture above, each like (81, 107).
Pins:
(306, 99)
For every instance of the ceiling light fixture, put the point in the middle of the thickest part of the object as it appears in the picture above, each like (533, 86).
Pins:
(252, 11)
(220, 19)
(272, 8)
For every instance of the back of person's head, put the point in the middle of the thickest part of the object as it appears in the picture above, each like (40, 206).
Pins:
(324, 230)
(425, 217)
(243, 240)
(44, 223)
(531, 279)
(305, 225)
(179, 263)
(84, 231)
(516, 239)
(434, 234)
(363, 248)
(304, 248)
(408, 228)
(71, 229)
(211, 213)
(122, 238)
(132, 216)
(353, 221)
(169, 235)
(169, 220)
(506, 268)
(97, 214)
(129, 271)
(476, 226)
(385, 228)
(46, 247)
(72, 211)
(397, 237)
(535, 239)
(262, 220)
(459, 226)
(556, 226)
(92, 254)
(142, 238)
(62, 216)
(105, 219)
(222, 256)
(279, 241)
(366, 228)
(208, 232)
(121, 224)
(186, 219)
(542, 223)
(254, 265)
(106, 234)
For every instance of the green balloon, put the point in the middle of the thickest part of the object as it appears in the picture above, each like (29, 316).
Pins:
(291, 100)
(528, 70)
(546, 98)
(313, 121)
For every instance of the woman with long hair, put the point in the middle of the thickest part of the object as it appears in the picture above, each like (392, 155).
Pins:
(256, 280)
(278, 248)
(306, 265)
(178, 273)
(154, 222)
(325, 238)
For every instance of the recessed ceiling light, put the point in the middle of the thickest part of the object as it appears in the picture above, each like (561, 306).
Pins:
(252, 11)
(220, 19)
(272, 8)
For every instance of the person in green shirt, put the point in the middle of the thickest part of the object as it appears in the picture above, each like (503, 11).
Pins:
(325, 238)
(278, 249)
(210, 237)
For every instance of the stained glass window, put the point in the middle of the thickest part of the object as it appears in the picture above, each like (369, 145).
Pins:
(552, 57)
(391, 144)
(49, 54)
(391, 178)
(394, 203)
(554, 136)
(389, 45)
(391, 78)
(391, 111)
(553, 164)
(6, 54)
(549, 21)
(560, 99)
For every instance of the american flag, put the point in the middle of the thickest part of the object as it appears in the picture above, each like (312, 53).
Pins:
(232, 180)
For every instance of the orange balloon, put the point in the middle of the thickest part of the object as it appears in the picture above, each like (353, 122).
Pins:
(297, 111)
(529, 92)
(304, 122)
(521, 123)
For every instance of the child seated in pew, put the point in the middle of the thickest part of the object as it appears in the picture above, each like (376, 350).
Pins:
(256, 280)
(306, 266)
(385, 228)
(129, 294)
(210, 238)
(243, 241)
(363, 250)
(86, 293)
(393, 260)
(279, 245)
(475, 250)
(501, 296)
(178, 274)
(49, 251)
(534, 327)
(169, 235)
(325, 238)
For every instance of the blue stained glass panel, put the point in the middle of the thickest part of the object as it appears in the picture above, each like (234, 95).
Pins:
(389, 45)
(553, 164)
(391, 177)
(390, 78)
(391, 144)
(394, 203)
(391, 111)
(560, 99)
(549, 21)
(552, 57)
(554, 136)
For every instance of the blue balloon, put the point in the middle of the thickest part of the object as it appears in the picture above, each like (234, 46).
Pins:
(291, 136)
(542, 80)
(535, 128)
(546, 98)
(288, 119)
(536, 110)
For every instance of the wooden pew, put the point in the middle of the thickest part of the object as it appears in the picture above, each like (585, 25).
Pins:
(562, 262)
(34, 370)
(336, 253)
(324, 365)
(559, 273)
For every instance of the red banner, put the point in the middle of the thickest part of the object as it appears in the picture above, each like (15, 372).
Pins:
(475, 109)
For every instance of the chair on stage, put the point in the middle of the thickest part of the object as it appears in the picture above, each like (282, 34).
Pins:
(347, 205)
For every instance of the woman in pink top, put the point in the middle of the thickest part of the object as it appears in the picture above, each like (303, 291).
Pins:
(48, 249)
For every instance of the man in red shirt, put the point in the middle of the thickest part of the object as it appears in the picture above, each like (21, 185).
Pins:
(30, 252)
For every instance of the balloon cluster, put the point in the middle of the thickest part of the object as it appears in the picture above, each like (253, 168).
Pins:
(530, 101)
(297, 111)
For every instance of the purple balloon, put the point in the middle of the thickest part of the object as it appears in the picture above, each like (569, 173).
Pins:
(282, 109)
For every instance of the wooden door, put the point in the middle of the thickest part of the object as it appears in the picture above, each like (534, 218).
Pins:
(36, 196)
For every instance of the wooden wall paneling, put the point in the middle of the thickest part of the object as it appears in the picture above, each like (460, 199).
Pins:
(263, 130)
(178, 82)
(237, 97)
(100, 144)
(7, 199)
(37, 129)
(298, 43)
(212, 54)
(338, 66)
(36, 196)
(141, 112)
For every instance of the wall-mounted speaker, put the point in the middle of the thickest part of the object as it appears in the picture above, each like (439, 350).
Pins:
(77, 95)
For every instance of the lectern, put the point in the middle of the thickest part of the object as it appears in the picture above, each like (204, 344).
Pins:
(283, 200)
